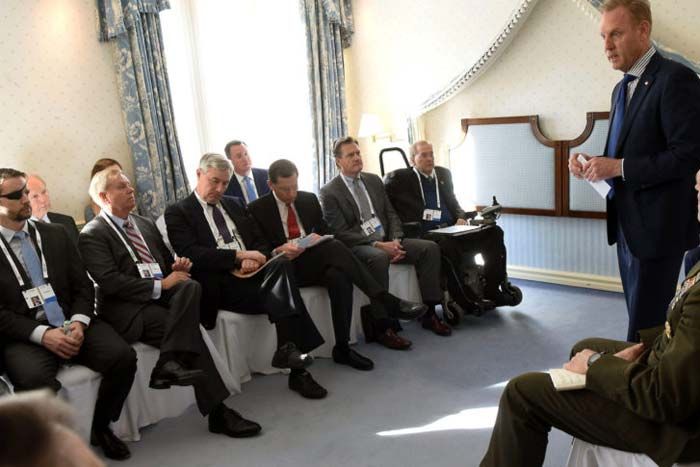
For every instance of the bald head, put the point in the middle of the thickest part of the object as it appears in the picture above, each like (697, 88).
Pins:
(38, 196)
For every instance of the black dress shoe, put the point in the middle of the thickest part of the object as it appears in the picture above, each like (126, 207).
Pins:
(305, 385)
(288, 356)
(347, 356)
(112, 447)
(402, 309)
(172, 373)
(229, 422)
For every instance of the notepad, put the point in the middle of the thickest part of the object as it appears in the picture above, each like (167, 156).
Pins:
(600, 186)
(565, 380)
(311, 241)
(456, 230)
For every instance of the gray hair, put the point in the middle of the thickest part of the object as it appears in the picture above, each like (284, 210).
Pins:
(100, 182)
(212, 160)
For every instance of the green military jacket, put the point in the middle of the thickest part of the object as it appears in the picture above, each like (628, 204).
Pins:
(663, 385)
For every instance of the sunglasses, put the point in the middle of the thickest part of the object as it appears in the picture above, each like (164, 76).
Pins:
(16, 195)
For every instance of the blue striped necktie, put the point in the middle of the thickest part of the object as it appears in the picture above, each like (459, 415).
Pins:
(54, 312)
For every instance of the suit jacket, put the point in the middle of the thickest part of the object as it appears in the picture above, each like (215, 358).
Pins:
(190, 236)
(664, 384)
(265, 212)
(404, 192)
(121, 292)
(74, 290)
(259, 178)
(343, 215)
(660, 144)
(67, 222)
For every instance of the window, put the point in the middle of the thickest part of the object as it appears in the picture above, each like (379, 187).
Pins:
(238, 70)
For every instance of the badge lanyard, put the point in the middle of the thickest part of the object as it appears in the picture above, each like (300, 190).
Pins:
(209, 216)
(121, 237)
(13, 265)
(437, 187)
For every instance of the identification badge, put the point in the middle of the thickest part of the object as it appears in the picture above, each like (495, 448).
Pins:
(371, 226)
(155, 270)
(432, 214)
(47, 293)
(33, 298)
(145, 270)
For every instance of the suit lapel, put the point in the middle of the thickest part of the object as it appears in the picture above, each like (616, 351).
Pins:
(640, 92)
(270, 210)
(304, 211)
(197, 214)
(349, 199)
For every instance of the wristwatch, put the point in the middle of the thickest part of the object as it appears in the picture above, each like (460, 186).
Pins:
(594, 358)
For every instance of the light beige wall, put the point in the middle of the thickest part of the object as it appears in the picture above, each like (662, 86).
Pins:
(555, 67)
(60, 103)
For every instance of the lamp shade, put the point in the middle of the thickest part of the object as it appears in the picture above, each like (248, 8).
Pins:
(370, 125)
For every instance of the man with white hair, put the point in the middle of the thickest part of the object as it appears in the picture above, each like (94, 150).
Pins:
(149, 297)
(230, 259)
(41, 204)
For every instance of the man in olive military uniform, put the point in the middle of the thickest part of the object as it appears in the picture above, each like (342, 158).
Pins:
(641, 397)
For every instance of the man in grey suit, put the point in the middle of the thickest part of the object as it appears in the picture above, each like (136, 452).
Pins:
(149, 297)
(358, 210)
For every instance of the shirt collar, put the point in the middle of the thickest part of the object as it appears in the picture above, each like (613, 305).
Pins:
(43, 219)
(117, 220)
(280, 203)
(202, 203)
(240, 177)
(350, 180)
(641, 65)
(420, 172)
(9, 233)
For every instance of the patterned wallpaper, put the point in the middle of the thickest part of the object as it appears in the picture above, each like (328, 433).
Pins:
(58, 94)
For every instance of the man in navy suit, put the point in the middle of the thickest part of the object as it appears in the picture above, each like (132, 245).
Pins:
(247, 183)
(652, 153)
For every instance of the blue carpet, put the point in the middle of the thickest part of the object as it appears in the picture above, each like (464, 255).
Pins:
(432, 405)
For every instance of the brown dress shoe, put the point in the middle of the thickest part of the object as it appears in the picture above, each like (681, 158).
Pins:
(393, 341)
(436, 325)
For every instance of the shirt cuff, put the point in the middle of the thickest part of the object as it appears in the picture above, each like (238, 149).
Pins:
(622, 168)
(37, 334)
(80, 319)
(157, 288)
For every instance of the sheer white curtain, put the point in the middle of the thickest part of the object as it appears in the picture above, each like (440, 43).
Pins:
(238, 70)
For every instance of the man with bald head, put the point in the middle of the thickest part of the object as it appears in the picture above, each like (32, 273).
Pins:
(41, 203)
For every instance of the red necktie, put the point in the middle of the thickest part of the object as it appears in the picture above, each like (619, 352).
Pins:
(292, 224)
(138, 243)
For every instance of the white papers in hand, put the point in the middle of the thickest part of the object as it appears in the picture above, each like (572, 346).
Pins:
(600, 186)
(565, 380)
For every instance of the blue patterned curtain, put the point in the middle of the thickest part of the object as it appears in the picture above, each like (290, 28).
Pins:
(329, 29)
(133, 26)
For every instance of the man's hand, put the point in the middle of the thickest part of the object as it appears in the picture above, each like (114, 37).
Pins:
(77, 331)
(290, 249)
(63, 345)
(631, 353)
(393, 249)
(602, 168)
(182, 264)
(575, 167)
(461, 222)
(251, 254)
(249, 265)
(174, 278)
(579, 364)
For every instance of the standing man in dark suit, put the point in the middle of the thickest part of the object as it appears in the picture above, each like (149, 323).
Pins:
(425, 194)
(287, 217)
(652, 152)
(226, 247)
(47, 313)
(247, 183)
(41, 203)
(149, 297)
(359, 212)
(638, 397)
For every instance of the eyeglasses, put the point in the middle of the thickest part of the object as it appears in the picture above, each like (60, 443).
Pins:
(16, 195)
